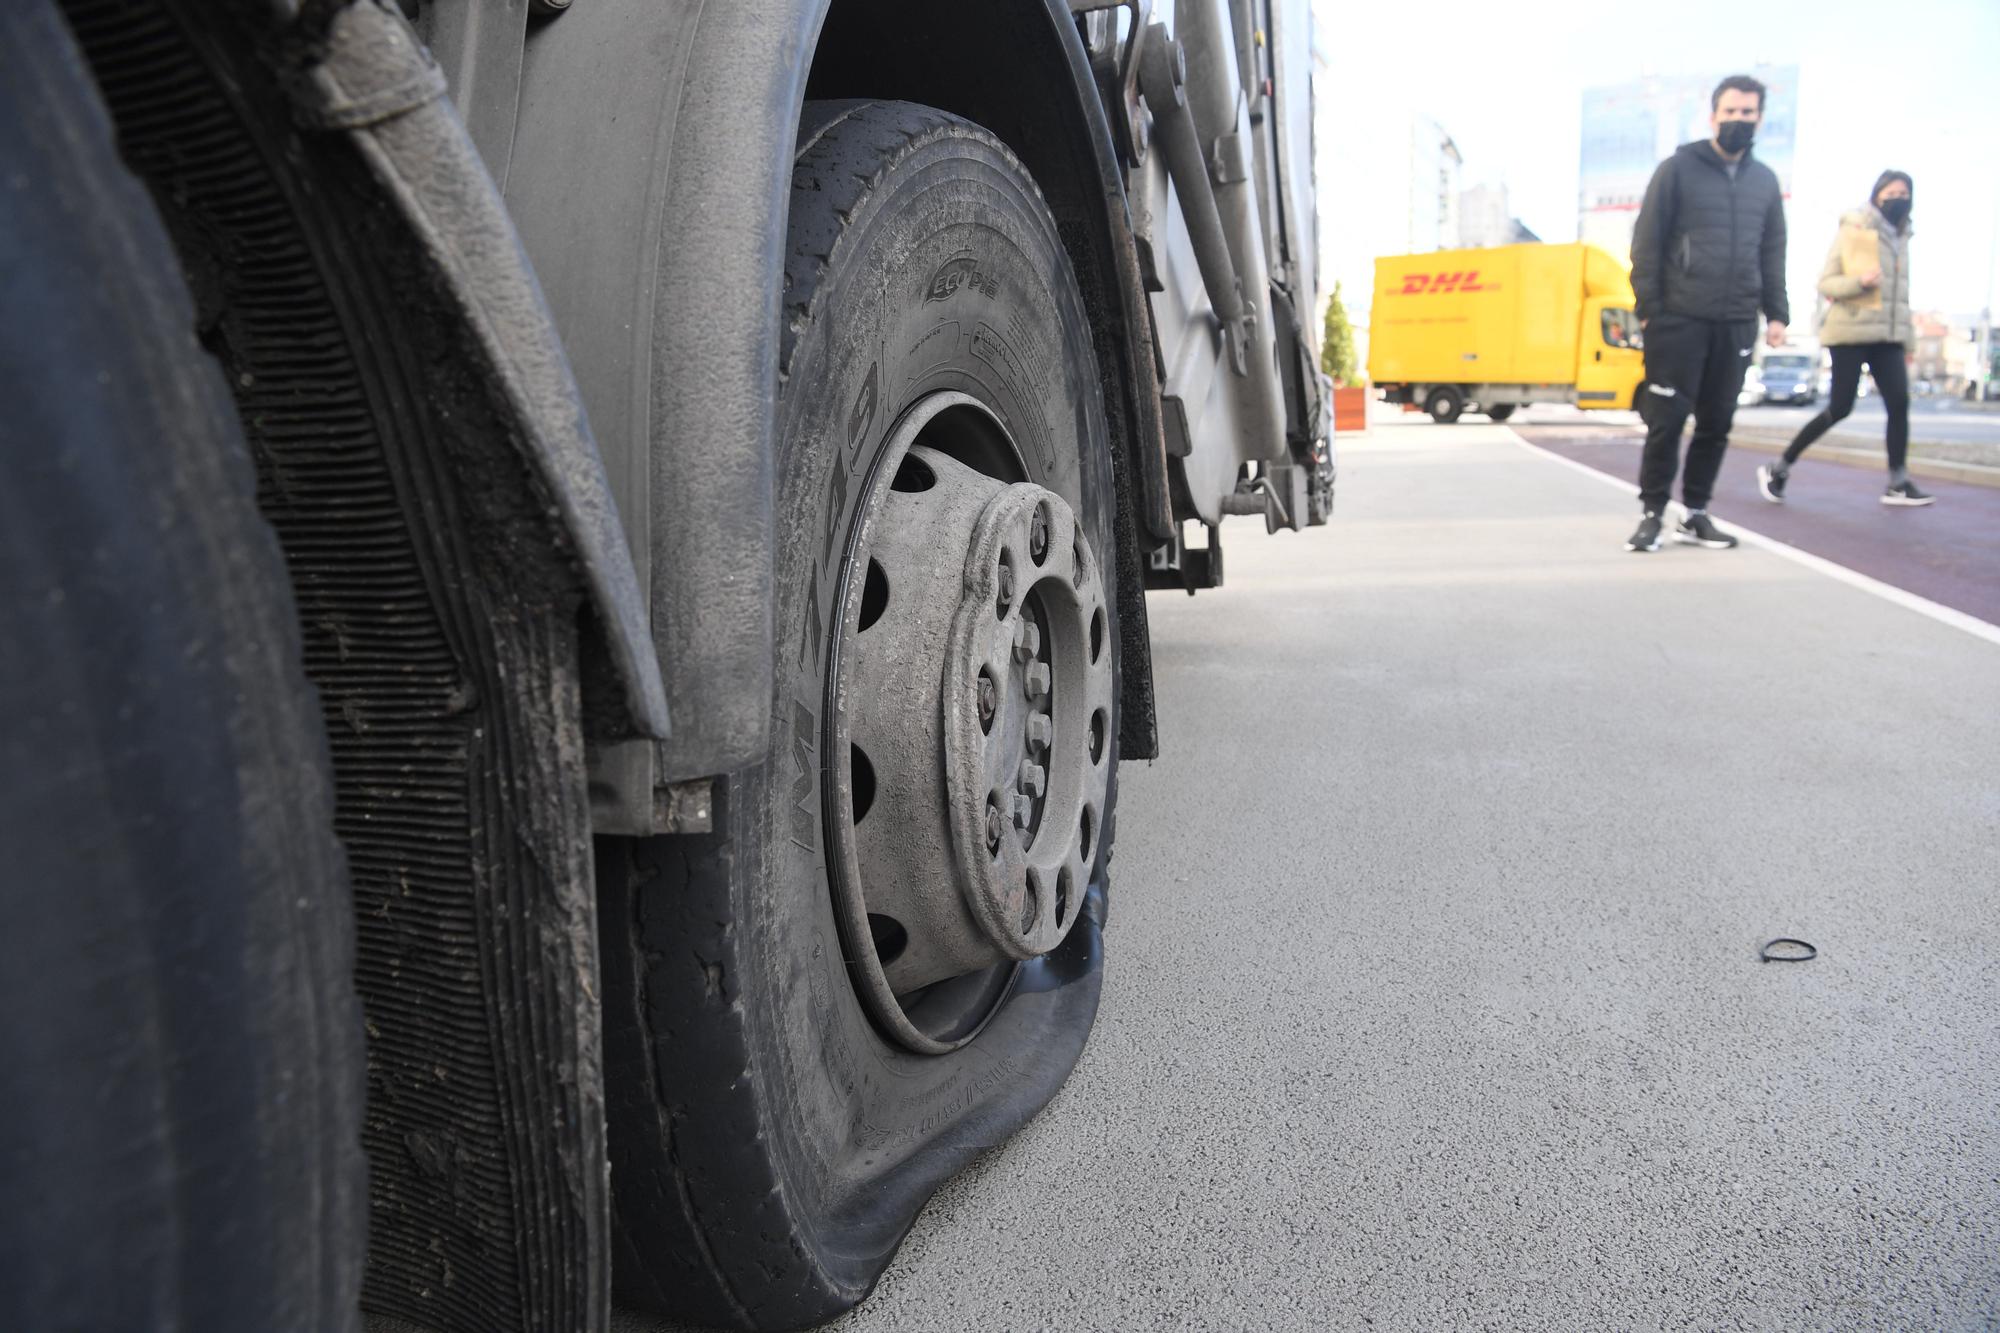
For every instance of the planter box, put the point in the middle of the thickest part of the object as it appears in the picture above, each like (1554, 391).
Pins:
(1350, 409)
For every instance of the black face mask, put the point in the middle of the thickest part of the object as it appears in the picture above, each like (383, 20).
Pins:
(1735, 135)
(1896, 210)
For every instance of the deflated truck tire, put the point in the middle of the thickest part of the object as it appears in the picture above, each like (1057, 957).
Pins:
(886, 957)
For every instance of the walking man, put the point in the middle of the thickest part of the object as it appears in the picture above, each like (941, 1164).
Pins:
(1708, 253)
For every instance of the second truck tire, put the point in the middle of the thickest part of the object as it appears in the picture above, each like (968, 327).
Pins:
(1444, 404)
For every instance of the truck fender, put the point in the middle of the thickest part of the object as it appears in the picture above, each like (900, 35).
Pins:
(376, 85)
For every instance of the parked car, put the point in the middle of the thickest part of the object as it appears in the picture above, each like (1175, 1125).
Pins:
(1788, 377)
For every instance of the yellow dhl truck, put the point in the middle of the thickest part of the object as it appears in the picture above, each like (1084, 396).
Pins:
(1493, 329)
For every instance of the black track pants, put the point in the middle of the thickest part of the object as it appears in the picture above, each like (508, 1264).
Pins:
(1693, 366)
(1892, 380)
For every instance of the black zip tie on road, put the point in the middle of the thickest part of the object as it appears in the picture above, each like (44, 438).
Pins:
(1764, 955)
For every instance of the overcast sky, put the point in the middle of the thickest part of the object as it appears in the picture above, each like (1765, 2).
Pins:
(1915, 85)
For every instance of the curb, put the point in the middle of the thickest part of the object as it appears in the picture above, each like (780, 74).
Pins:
(1971, 474)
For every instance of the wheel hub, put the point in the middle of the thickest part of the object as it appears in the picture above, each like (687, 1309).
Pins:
(972, 703)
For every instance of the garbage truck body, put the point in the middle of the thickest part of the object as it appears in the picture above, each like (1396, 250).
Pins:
(576, 591)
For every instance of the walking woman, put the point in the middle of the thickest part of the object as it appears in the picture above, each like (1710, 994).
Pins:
(1866, 280)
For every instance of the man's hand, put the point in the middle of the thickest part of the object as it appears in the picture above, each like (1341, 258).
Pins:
(1774, 334)
(1871, 279)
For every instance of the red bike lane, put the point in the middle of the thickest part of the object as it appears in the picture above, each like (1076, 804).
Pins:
(1948, 552)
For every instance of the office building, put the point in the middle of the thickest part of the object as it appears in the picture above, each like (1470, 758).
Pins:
(1630, 127)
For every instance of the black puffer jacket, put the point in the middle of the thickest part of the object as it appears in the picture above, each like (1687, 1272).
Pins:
(1709, 246)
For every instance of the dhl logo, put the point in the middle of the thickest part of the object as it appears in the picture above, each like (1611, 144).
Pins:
(1434, 284)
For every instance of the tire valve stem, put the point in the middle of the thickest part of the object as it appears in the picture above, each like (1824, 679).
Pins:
(1038, 536)
(989, 701)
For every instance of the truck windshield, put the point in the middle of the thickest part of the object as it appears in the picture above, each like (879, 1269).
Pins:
(1789, 363)
(1621, 329)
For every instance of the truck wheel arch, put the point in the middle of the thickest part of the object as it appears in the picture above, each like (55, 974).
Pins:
(973, 61)
(697, 118)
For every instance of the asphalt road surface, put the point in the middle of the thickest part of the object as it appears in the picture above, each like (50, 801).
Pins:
(1433, 998)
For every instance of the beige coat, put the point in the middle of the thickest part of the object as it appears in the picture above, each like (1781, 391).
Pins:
(1851, 315)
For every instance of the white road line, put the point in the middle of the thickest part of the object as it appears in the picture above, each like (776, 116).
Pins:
(1937, 611)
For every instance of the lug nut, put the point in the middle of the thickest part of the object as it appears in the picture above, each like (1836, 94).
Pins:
(996, 825)
(1027, 639)
(989, 700)
(1040, 731)
(1006, 582)
(1033, 777)
(1024, 810)
(1038, 679)
(1038, 534)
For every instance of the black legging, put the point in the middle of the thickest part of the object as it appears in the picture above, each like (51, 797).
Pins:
(1892, 381)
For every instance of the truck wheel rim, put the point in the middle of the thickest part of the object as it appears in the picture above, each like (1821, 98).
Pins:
(970, 698)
